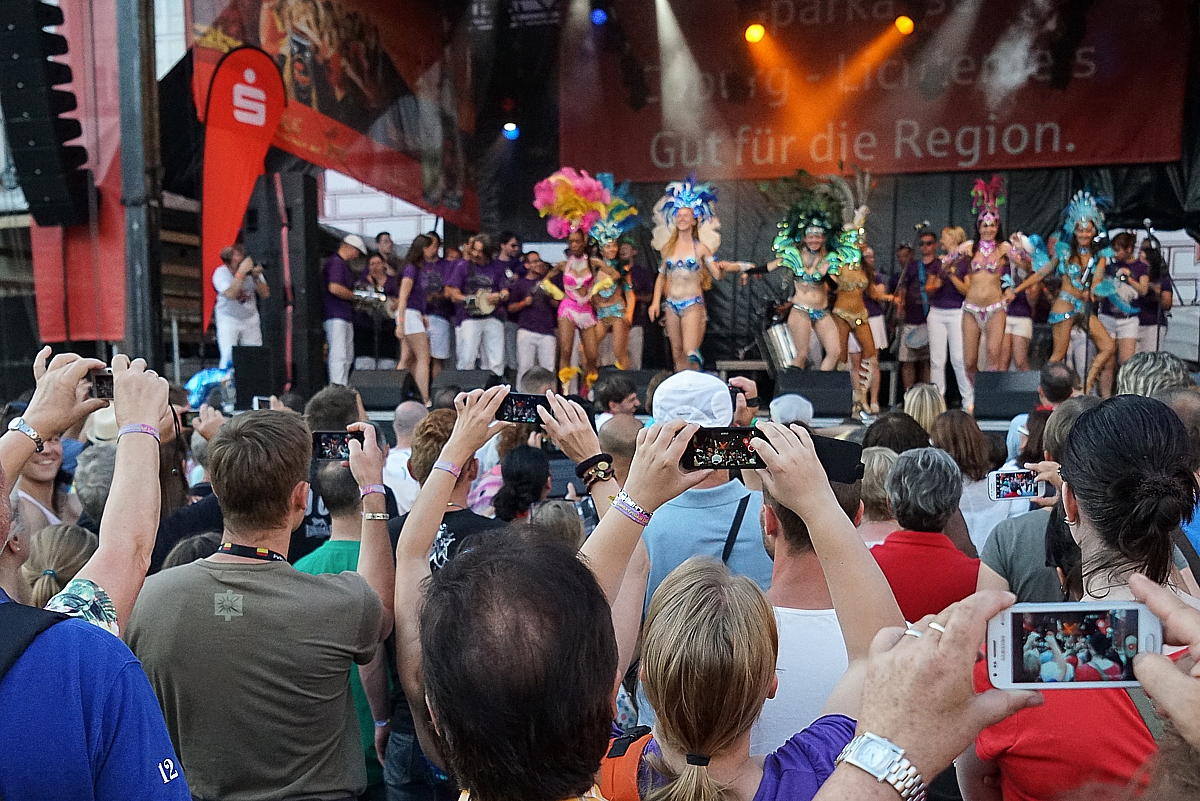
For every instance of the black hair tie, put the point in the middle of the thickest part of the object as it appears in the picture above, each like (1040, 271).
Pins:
(699, 760)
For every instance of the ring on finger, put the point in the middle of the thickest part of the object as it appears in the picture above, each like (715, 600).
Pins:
(937, 626)
(913, 633)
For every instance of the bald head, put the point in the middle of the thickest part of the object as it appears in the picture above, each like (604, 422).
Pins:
(619, 437)
(407, 415)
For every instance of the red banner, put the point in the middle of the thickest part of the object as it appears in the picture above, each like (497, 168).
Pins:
(378, 91)
(978, 86)
(245, 104)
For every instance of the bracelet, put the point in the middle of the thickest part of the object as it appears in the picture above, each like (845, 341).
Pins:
(138, 428)
(370, 489)
(382, 724)
(376, 516)
(598, 474)
(752, 403)
(449, 467)
(583, 467)
(626, 506)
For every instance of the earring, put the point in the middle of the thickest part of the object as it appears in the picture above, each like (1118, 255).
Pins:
(1070, 522)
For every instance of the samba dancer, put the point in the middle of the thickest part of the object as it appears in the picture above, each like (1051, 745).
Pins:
(1082, 271)
(686, 235)
(988, 285)
(614, 300)
(875, 295)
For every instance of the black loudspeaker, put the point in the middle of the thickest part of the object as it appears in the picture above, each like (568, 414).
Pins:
(382, 390)
(465, 379)
(829, 391)
(1002, 396)
(252, 374)
(640, 379)
(48, 170)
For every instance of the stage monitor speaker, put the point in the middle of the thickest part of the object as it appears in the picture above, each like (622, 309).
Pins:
(1002, 396)
(640, 379)
(384, 390)
(465, 379)
(829, 391)
(49, 171)
(253, 374)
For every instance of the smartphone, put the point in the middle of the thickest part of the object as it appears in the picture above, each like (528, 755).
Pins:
(722, 448)
(1070, 645)
(842, 459)
(188, 419)
(102, 383)
(518, 407)
(260, 402)
(1012, 484)
(334, 445)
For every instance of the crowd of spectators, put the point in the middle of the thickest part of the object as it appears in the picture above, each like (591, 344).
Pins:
(208, 612)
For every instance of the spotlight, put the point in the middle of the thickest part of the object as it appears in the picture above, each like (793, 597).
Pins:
(599, 16)
(511, 131)
(904, 24)
(755, 33)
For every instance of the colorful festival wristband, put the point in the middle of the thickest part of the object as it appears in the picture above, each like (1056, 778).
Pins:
(368, 489)
(626, 506)
(449, 467)
(138, 428)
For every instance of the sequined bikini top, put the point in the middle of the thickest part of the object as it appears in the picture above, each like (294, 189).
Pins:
(988, 258)
(689, 264)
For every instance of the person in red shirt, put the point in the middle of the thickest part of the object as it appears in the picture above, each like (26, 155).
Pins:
(926, 572)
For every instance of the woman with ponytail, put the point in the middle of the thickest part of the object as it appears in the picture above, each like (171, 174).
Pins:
(1127, 483)
(56, 554)
(526, 473)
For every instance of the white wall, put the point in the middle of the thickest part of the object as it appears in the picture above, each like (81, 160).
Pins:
(355, 207)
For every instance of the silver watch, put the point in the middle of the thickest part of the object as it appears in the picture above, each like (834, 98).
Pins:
(19, 424)
(885, 761)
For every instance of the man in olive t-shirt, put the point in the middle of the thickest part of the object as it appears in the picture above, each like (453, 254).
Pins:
(249, 657)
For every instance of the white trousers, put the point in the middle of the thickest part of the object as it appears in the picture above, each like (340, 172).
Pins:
(946, 334)
(510, 344)
(481, 337)
(231, 331)
(339, 334)
(535, 349)
(1151, 338)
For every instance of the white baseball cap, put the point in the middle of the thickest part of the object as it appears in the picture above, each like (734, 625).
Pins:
(792, 408)
(356, 241)
(693, 397)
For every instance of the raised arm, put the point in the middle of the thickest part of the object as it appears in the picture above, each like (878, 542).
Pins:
(375, 561)
(567, 425)
(130, 523)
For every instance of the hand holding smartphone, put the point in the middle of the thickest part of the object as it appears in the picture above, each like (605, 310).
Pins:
(102, 383)
(334, 446)
(723, 449)
(1070, 645)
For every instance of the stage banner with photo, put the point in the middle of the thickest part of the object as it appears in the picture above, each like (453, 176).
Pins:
(379, 91)
(978, 86)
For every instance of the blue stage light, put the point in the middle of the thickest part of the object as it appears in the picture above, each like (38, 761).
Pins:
(599, 16)
(511, 131)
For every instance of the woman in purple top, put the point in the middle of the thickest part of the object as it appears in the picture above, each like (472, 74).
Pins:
(410, 316)
(1152, 316)
(947, 292)
(374, 306)
(1018, 325)
(1121, 318)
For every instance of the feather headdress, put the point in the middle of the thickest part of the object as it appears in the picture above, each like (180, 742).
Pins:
(1084, 208)
(690, 195)
(620, 215)
(572, 199)
(812, 206)
(987, 198)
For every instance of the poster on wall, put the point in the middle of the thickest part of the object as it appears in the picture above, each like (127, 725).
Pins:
(976, 86)
(367, 95)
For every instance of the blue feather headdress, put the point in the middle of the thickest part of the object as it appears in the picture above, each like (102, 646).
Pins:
(1084, 208)
(687, 194)
(620, 215)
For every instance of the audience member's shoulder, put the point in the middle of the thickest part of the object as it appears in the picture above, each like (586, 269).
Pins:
(346, 585)
(76, 639)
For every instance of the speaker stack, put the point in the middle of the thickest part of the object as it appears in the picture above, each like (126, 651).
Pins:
(829, 391)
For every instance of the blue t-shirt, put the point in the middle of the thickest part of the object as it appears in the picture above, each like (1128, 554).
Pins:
(80, 721)
(1192, 529)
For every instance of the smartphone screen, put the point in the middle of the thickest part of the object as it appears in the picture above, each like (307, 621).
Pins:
(722, 448)
(259, 402)
(1080, 645)
(334, 445)
(102, 384)
(188, 419)
(519, 407)
(1005, 485)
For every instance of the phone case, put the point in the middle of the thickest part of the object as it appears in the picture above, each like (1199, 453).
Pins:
(1022, 656)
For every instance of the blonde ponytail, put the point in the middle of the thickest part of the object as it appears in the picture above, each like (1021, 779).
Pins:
(56, 554)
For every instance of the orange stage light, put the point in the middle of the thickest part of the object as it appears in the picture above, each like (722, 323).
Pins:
(904, 24)
(755, 33)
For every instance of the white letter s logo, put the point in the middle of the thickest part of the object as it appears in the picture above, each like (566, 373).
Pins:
(249, 102)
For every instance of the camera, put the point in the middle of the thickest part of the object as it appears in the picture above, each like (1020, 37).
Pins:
(102, 383)
(518, 407)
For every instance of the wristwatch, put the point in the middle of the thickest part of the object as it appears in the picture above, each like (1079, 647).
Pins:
(19, 424)
(885, 761)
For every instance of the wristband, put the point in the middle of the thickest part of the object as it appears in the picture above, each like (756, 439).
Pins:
(382, 724)
(449, 467)
(583, 467)
(376, 516)
(370, 489)
(138, 428)
(626, 506)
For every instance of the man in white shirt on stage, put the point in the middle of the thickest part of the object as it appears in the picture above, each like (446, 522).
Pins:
(239, 283)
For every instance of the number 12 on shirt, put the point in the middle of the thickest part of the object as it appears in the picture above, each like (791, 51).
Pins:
(1070, 645)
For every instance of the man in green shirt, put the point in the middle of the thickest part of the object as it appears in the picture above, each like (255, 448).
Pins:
(335, 485)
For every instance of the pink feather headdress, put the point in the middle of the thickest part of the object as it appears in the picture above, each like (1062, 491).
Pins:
(572, 199)
(986, 199)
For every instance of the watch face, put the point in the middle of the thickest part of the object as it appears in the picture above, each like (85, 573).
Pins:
(875, 756)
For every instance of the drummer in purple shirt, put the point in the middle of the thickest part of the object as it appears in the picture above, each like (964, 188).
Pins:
(535, 312)
(478, 288)
(337, 307)
(1152, 318)
(912, 306)
(945, 315)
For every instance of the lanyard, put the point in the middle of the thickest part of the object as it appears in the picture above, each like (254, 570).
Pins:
(265, 554)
